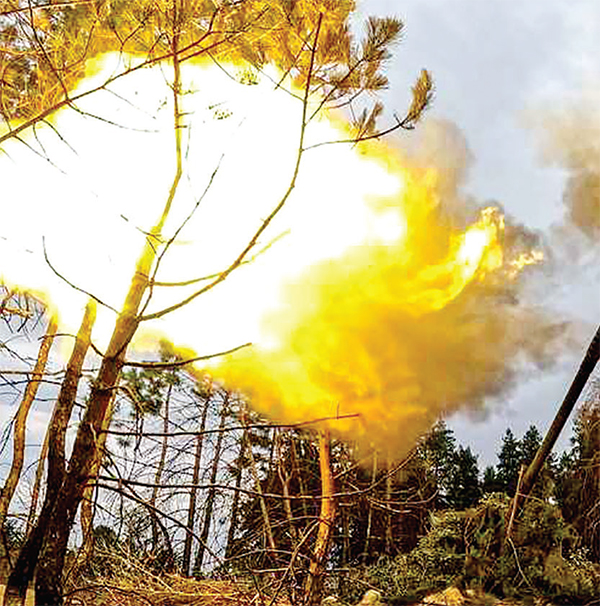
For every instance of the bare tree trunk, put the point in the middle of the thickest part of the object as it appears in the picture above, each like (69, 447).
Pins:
(285, 477)
(159, 472)
(212, 492)
(370, 514)
(19, 430)
(39, 474)
(187, 546)
(86, 516)
(263, 505)
(585, 370)
(389, 535)
(326, 521)
(23, 570)
(85, 449)
(300, 478)
(87, 502)
(236, 498)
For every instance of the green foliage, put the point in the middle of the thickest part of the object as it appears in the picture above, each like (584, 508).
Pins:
(465, 489)
(14, 533)
(469, 550)
(529, 444)
(148, 388)
(438, 452)
(509, 463)
(490, 482)
(578, 474)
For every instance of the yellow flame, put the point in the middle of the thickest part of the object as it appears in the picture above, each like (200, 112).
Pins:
(359, 290)
(477, 249)
(532, 257)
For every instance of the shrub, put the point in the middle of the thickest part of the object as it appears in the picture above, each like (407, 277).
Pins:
(470, 550)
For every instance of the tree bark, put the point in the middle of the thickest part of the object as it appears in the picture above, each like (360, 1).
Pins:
(56, 533)
(585, 370)
(370, 514)
(326, 520)
(39, 474)
(20, 427)
(23, 570)
(212, 492)
(285, 478)
(187, 546)
(263, 505)
(159, 472)
(236, 498)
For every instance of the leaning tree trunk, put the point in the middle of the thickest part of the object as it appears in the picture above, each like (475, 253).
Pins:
(585, 370)
(20, 426)
(22, 573)
(326, 519)
(58, 528)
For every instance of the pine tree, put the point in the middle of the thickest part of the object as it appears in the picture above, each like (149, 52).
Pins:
(509, 463)
(438, 451)
(465, 488)
(529, 444)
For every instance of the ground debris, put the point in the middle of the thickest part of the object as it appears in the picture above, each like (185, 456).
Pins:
(168, 590)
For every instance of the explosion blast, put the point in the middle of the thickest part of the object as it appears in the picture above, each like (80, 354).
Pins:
(365, 296)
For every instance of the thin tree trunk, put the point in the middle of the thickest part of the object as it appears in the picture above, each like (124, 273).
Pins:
(39, 474)
(187, 547)
(326, 521)
(86, 517)
(22, 573)
(370, 514)
(389, 535)
(212, 492)
(85, 448)
(19, 430)
(87, 503)
(159, 471)
(585, 370)
(236, 497)
(263, 505)
(300, 478)
(285, 479)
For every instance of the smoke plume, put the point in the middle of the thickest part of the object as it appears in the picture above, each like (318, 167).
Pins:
(403, 333)
(569, 136)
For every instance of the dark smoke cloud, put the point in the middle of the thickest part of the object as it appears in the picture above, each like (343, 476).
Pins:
(569, 137)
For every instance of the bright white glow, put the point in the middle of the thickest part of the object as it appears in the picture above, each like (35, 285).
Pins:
(109, 178)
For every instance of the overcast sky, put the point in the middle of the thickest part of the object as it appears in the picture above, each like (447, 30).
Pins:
(495, 65)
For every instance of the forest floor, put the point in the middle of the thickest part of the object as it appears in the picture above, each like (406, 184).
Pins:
(174, 590)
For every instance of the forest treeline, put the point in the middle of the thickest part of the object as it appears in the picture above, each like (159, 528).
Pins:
(194, 482)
